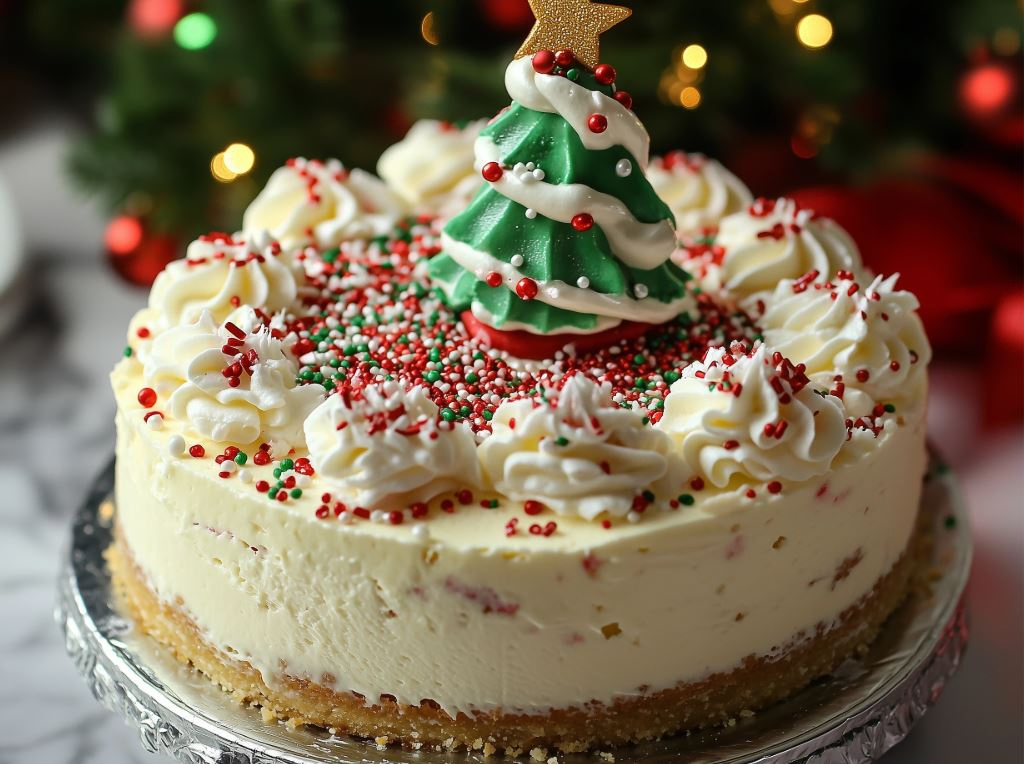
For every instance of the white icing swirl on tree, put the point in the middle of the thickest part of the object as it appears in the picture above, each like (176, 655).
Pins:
(752, 417)
(699, 191)
(220, 272)
(575, 103)
(872, 337)
(233, 383)
(390, 448)
(579, 452)
(310, 202)
(775, 240)
(432, 169)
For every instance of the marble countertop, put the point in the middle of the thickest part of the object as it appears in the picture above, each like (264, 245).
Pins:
(56, 432)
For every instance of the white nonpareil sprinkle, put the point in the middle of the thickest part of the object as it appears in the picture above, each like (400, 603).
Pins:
(583, 282)
(245, 476)
(641, 291)
(623, 168)
(420, 531)
(175, 445)
(516, 261)
(538, 174)
(633, 517)
(531, 214)
(155, 422)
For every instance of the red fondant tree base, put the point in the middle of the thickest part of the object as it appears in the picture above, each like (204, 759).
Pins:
(537, 347)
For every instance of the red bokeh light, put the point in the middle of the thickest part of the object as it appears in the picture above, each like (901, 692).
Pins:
(123, 235)
(986, 89)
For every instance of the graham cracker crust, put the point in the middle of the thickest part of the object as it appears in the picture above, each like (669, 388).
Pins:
(718, 699)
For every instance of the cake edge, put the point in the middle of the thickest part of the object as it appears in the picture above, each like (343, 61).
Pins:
(717, 699)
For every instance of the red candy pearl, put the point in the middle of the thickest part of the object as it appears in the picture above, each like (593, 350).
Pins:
(543, 62)
(492, 172)
(147, 397)
(532, 507)
(624, 98)
(605, 74)
(527, 289)
(774, 487)
(493, 279)
(863, 375)
(197, 451)
(583, 222)
(565, 58)
(597, 123)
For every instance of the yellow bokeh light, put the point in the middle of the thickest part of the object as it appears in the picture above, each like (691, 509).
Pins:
(1006, 41)
(239, 158)
(814, 31)
(694, 56)
(428, 31)
(689, 98)
(219, 170)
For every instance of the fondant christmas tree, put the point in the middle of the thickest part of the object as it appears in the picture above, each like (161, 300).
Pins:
(566, 236)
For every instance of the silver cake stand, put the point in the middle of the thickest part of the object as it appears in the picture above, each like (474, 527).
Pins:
(854, 716)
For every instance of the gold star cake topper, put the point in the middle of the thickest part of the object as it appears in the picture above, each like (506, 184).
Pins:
(575, 25)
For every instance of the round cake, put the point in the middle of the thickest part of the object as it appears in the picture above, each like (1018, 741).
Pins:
(523, 468)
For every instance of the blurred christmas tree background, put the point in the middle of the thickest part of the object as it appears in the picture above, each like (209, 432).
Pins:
(903, 121)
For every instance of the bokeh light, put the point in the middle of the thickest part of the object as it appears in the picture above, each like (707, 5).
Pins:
(814, 31)
(219, 169)
(689, 97)
(428, 30)
(239, 158)
(694, 56)
(195, 31)
(123, 235)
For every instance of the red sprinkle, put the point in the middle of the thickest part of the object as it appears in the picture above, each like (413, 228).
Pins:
(774, 487)
(532, 507)
(605, 74)
(465, 496)
(697, 484)
(597, 123)
(492, 172)
(527, 288)
(142, 332)
(197, 451)
(863, 375)
(543, 62)
(262, 486)
(493, 279)
(147, 397)
(396, 517)
(261, 458)
(583, 221)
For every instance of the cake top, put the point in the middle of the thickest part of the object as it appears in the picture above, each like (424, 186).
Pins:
(556, 342)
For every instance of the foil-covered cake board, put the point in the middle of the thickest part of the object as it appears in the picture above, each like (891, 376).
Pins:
(853, 716)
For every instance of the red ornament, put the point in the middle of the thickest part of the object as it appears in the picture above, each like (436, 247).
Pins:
(493, 279)
(544, 62)
(583, 221)
(136, 255)
(507, 15)
(527, 289)
(492, 172)
(605, 74)
(565, 58)
(597, 123)
(147, 397)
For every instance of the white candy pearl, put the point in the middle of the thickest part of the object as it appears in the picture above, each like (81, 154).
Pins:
(583, 282)
(516, 260)
(175, 445)
(641, 291)
(623, 168)
(538, 174)
(531, 214)
(155, 422)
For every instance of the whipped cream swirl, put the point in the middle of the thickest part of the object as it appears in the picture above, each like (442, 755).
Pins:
(578, 452)
(433, 168)
(311, 202)
(232, 383)
(220, 272)
(753, 417)
(872, 338)
(699, 191)
(390, 448)
(775, 239)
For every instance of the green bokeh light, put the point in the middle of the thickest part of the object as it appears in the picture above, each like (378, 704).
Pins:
(195, 31)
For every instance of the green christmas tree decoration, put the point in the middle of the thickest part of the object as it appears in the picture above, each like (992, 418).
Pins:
(556, 269)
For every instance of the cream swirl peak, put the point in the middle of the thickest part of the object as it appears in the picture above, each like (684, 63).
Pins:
(219, 273)
(775, 239)
(389, 448)
(233, 383)
(698, 190)
(432, 169)
(872, 338)
(578, 452)
(739, 417)
(322, 203)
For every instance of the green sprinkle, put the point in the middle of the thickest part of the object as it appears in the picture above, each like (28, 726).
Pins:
(671, 376)
(434, 355)
(573, 74)
(330, 255)
(448, 415)
(649, 495)
(950, 522)
(287, 464)
(334, 363)
(241, 458)
(890, 408)
(562, 441)
(638, 359)
(465, 411)
(471, 378)
(127, 351)
(431, 376)
(277, 472)
(686, 499)
(296, 493)
(488, 415)
(318, 378)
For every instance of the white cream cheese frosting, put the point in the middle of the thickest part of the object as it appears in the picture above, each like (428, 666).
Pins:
(433, 168)
(578, 452)
(775, 239)
(752, 417)
(870, 337)
(322, 203)
(698, 190)
(390, 448)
